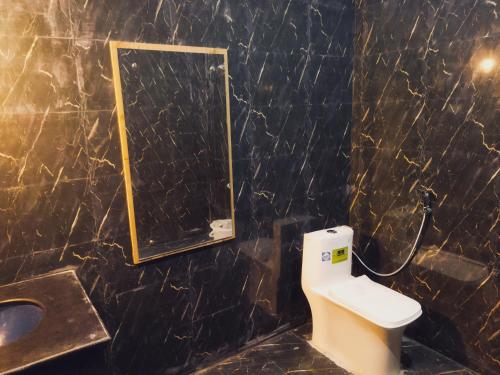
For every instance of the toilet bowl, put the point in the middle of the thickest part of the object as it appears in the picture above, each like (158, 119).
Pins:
(357, 322)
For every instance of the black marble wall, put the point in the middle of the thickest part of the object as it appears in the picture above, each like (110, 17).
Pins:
(61, 189)
(426, 115)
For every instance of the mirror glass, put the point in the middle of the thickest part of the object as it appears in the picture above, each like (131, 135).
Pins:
(173, 114)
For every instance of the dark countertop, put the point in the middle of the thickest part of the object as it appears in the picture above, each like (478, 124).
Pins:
(70, 322)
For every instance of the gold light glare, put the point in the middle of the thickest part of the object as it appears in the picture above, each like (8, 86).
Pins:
(487, 64)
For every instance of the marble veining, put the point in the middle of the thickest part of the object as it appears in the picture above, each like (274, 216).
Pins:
(307, 153)
(62, 199)
(290, 353)
(426, 117)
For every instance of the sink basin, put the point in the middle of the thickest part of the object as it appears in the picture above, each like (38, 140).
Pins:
(46, 317)
(17, 319)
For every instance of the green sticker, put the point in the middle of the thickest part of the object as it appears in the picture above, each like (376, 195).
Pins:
(339, 255)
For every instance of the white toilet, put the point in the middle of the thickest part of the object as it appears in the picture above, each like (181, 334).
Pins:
(357, 323)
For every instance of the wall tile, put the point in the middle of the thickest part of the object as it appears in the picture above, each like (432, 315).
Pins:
(290, 66)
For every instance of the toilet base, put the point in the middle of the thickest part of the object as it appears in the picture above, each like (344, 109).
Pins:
(330, 356)
(354, 343)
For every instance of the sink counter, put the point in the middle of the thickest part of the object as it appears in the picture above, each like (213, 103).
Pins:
(69, 321)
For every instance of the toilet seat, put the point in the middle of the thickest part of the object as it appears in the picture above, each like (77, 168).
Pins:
(374, 302)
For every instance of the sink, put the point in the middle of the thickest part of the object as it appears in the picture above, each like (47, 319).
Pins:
(45, 317)
(17, 319)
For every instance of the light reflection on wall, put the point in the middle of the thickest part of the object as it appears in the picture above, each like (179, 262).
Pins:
(484, 61)
(484, 69)
(487, 65)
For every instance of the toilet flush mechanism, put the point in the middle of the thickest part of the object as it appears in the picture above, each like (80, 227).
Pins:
(357, 322)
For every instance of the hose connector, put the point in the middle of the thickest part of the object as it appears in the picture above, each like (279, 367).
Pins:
(427, 199)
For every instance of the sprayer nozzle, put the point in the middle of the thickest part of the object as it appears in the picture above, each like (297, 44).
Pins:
(427, 199)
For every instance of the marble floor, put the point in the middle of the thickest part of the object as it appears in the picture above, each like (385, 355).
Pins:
(289, 353)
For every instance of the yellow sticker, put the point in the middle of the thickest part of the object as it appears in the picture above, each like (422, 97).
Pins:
(339, 255)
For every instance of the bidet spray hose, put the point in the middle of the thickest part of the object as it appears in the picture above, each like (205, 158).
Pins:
(427, 211)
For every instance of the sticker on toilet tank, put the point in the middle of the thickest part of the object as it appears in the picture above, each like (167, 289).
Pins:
(325, 256)
(339, 255)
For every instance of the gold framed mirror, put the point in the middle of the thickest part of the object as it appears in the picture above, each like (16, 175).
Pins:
(174, 122)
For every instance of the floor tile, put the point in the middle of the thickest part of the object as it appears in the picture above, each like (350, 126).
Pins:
(290, 353)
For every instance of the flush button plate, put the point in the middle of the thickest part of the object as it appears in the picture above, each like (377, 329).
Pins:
(340, 254)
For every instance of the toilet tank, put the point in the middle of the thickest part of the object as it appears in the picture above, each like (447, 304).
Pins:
(326, 256)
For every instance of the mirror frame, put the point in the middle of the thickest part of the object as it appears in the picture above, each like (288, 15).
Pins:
(114, 46)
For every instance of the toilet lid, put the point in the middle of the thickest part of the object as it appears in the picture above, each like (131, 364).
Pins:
(375, 302)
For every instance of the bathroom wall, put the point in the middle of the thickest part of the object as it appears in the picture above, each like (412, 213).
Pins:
(425, 115)
(61, 189)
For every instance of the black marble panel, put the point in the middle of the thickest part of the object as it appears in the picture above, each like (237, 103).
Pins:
(425, 115)
(59, 74)
(62, 200)
(389, 25)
